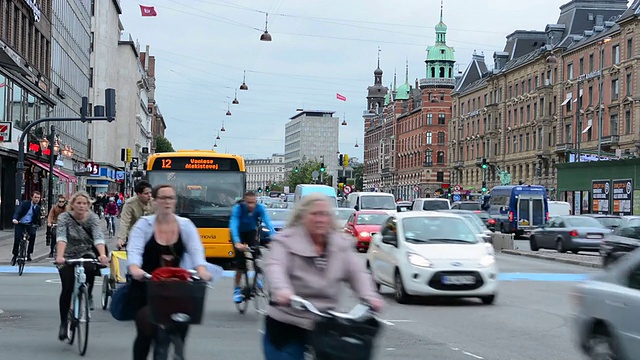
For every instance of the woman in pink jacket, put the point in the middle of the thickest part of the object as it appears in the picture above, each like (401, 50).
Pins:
(309, 259)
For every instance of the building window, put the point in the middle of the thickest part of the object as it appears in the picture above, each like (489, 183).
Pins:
(615, 54)
(615, 89)
(570, 71)
(590, 62)
(526, 144)
(429, 139)
(441, 119)
(440, 176)
(629, 84)
(440, 157)
(441, 137)
(428, 160)
(590, 95)
(613, 124)
(629, 48)
(627, 122)
(581, 66)
(429, 119)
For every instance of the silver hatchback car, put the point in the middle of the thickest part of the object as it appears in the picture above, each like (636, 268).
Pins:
(606, 322)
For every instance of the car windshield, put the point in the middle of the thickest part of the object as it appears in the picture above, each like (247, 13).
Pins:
(371, 219)
(475, 221)
(438, 230)
(469, 206)
(583, 221)
(278, 215)
(435, 205)
(377, 202)
(610, 222)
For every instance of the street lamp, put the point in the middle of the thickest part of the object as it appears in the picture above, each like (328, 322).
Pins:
(265, 35)
(600, 94)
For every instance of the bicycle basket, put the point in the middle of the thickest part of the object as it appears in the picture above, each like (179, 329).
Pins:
(169, 297)
(338, 339)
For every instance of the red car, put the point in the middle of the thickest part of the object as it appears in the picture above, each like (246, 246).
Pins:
(363, 224)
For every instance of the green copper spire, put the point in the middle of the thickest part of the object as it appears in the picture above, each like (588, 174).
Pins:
(440, 57)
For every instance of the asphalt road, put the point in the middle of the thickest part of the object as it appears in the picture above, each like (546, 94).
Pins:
(528, 321)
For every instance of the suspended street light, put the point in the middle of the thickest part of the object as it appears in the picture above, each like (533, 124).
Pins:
(235, 98)
(357, 143)
(218, 137)
(228, 111)
(265, 35)
(222, 129)
(244, 82)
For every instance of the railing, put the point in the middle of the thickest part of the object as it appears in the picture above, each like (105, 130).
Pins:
(610, 140)
(437, 82)
(564, 147)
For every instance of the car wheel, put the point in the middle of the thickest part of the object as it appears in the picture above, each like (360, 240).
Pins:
(489, 299)
(533, 244)
(399, 293)
(602, 345)
(560, 246)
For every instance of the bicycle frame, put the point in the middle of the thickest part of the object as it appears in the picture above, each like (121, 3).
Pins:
(80, 282)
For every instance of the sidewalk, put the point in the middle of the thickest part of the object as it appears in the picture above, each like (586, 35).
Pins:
(40, 250)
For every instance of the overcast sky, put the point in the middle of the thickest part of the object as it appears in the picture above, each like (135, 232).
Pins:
(319, 47)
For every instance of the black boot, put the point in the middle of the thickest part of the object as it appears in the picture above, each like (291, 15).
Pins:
(62, 332)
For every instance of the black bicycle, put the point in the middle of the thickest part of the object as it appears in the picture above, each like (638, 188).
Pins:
(174, 305)
(21, 259)
(256, 287)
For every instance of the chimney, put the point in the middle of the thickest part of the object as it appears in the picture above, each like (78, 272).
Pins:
(417, 84)
(500, 59)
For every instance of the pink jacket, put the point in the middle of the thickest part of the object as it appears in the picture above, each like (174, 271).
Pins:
(290, 266)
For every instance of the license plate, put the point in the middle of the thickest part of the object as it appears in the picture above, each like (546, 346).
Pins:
(458, 280)
(524, 222)
(594, 236)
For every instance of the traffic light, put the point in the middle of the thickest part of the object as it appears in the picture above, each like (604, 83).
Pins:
(484, 186)
(484, 163)
(128, 155)
(322, 167)
(267, 189)
(296, 170)
(123, 154)
(346, 160)
(274, 183)
(259, 190)
(340, 159)
(449, 192)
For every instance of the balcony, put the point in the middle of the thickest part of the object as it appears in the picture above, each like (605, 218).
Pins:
(610, 140)
(428, 164)
(479, 161)
(437, 82)
(458, 164)
(565, 147)
(543, 153)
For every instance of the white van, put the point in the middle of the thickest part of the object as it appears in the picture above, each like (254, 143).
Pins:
(559, 208)
(372, 201)
(431, 204)
(303, 190)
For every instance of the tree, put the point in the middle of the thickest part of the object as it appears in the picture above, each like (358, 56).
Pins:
(303, 175)
(163, 144)
(358, 174)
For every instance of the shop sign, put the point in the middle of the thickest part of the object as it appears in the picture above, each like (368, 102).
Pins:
(623, 197)
(600, 190)
(33, 4)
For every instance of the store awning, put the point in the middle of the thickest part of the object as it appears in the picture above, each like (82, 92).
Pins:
(57, 172)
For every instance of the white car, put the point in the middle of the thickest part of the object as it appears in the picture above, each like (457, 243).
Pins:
(433, 254)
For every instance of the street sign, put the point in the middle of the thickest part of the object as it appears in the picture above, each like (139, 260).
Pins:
(315, 174)
(92, 168)
(457, 188)
(456, 197)
(134, 162)
(347, 190)
(416, 188)
(5, 131)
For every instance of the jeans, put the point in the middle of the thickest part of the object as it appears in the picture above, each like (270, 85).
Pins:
(291, 351)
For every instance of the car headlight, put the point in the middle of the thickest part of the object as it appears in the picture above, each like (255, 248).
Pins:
(487, 260)
(364, 234)
(264, 229)
(417, 260)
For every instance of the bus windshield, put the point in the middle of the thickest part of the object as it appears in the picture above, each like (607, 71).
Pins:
(200, 193)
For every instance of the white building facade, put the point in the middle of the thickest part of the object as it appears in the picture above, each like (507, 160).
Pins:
(264, 172)
(312, 136)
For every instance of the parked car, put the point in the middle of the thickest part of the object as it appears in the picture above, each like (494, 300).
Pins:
(609, 221)
(569, 233)
(421, 253)
(604, 322)
(279, 218)
(622, 241)
(362, 225)
(342, 215)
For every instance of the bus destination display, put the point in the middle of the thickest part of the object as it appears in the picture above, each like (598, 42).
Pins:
(196, 164)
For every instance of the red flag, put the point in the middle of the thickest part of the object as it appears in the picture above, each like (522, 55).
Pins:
(341, 97)
(148, 10)
(3, 84)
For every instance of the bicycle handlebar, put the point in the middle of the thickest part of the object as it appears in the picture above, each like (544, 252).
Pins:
(81, 261)
(358, 312)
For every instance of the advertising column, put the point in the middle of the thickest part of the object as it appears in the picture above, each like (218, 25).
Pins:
(600, 190)
(623, 197)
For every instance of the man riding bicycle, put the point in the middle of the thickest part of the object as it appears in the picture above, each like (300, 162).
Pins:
(25, 219)
(244, 225)
(133, 209)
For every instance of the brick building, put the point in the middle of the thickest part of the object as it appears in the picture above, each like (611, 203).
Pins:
(406, 138)
(538, 106)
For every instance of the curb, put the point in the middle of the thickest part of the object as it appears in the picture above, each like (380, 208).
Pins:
(551, 258)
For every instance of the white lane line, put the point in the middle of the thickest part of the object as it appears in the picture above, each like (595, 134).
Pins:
(390, 349)
(468, 353)
(392, 322)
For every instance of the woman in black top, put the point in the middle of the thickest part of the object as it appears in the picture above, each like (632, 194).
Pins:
(160, 240)
(78, 232)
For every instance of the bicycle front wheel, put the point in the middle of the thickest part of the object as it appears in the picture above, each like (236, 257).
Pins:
(83, 321)
(261, 296)
(22, 257)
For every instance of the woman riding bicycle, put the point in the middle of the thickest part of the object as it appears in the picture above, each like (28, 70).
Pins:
(77, 235)
(310, 259)
(159, 240)
(110, 212)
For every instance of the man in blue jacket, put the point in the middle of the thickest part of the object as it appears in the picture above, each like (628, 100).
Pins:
(27, 216)
(244, 224)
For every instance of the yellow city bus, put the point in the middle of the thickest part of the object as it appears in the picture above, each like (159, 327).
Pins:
(208, 185)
